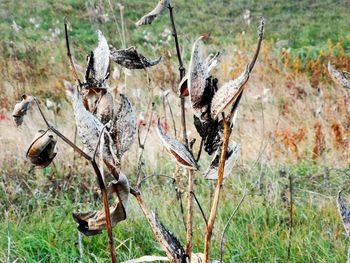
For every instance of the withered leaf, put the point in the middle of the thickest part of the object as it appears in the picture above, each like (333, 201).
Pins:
(338, 77)
(231, 157)
(123, 130)
(228, 93)
(148, 19)
(21, 109)
(101, 58)
(131, 59)
(344, 213)
(93, 222)
(41, 151)
(177, 150)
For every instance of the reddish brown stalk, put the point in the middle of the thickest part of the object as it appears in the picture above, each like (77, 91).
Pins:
(215, 204)
(99, 180)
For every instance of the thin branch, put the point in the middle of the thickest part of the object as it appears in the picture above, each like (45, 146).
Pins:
(8, 238)
(215, 204)
(81, 246)
(228, 222)
(200, 150)
(200, 208)
(155, 175)
(69, 54)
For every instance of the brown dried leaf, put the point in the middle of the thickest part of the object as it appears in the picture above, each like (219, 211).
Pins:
(41, 151)
(177, 150)
(344, 213)
(131, 59)
(231, 157)
(123, 130)
(148, 19)
(338, 77)
(21, 109)
(93, 222)
(228, 93)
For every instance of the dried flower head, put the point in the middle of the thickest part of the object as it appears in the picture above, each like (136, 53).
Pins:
(41, 151)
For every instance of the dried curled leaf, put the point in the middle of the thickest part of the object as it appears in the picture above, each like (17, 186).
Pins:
(101, 58)
(228, 93)
(344, 213)
(131, 59)
(41, 151)
(148, 19)
(123, 130)
(231, 157)
(177, 150)
(21, 109)
(93, 222)
(338, 77)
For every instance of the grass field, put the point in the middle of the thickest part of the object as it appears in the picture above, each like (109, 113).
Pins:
(292, 121)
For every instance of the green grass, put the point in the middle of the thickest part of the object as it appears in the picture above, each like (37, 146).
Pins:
(307, 24)
(42, 227)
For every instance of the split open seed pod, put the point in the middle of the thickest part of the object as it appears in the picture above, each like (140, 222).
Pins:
(179, 152)
(338, 77)
(93, 222)
(344, 213)
(41, 151)
(228, 93)
(21, 109)
(148, 18)
(231, 158)
(131, 59)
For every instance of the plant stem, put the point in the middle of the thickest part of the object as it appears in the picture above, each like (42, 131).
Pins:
(99, 180)
(290, 214)
(215, 204)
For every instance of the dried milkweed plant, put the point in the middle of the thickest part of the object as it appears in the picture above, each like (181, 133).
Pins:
(106, 124)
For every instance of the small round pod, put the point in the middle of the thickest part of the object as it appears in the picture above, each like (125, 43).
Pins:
(41, 151)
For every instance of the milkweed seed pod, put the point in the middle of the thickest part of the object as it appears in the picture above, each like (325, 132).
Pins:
(169, 240)
(211, 61)
(198, 74)
(131, 59)
(93, 222)
(338, 77)
(344, 213)
(89, 129)
(21, 109)
(231, 158)
(228, 93)
(123, 130)
(104, 111)
(41, 151)
(177, 150)
(148, 19)
(101, 58)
